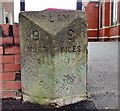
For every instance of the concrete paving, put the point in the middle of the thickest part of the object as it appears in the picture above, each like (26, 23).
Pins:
(103, 74)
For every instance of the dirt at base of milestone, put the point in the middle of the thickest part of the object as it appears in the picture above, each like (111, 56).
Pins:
(11, 104)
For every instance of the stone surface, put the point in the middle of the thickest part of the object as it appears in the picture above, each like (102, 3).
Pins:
(53, 51)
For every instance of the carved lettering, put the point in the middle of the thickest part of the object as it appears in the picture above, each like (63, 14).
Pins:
(57, 18)
(74, 48)
(50, 18)
(63, 49)
(35, 35)
(42, 84)
(71, 34)
(70, 49)
(39, 61)
(68, 79)
(39, 49)
(78, 49)
(60, 18)
(66, 17)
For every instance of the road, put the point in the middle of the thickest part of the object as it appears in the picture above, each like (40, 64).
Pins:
(103, 74)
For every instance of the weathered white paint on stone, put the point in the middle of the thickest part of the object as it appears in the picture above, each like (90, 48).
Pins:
(53, 50)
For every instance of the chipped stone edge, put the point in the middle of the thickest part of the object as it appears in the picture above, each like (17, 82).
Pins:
(65, 101)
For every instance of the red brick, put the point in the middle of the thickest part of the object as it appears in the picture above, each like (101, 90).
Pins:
(114, 31)
(12, 50)
(16, 40)
(8, 94)
(92, 33)
(101, 33)
(7, 59)
(6, 40)
(1, 67)
(92, 15)
(16, 30)
(7, 76)
(17, 58)
(1, 50)
(0, 76)
(5, 29)
(11, 67)
(106, 13)
(1, 86)
(12, 85)
(1, 58)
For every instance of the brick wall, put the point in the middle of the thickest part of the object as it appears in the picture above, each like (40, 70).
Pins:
(107, 32)
(92, 15)
(9, 61)
(92, 20)
(106, 13)
(119, 11)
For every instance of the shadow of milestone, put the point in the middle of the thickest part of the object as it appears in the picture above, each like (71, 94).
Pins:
(86, 104)
(13, 104)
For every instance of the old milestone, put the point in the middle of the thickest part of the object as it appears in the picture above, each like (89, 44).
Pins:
(53, 56)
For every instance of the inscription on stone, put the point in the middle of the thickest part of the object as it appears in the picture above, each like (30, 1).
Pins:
(71, 34)
(35, 35)
(53, 50)
(53, 18)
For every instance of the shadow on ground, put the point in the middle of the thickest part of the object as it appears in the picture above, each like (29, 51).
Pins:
(13, 104)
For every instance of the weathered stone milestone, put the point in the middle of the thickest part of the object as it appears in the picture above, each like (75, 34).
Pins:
(53, 51)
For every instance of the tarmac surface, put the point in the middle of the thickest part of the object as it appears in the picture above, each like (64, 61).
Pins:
(103, 74)
(102, 82)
